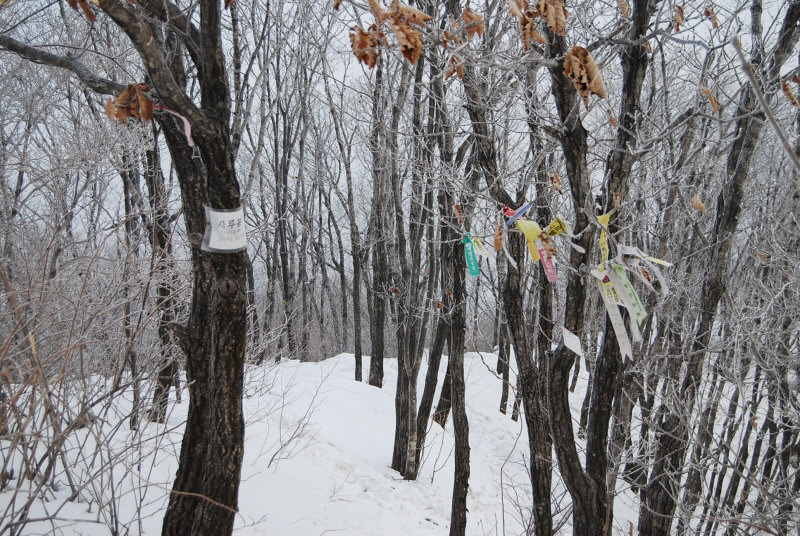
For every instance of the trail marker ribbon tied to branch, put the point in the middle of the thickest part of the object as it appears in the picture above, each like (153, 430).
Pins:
(469, 252)
(538, 242)
(225, 230)
(616, 289)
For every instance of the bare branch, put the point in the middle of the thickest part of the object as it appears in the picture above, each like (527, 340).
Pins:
(68, 61)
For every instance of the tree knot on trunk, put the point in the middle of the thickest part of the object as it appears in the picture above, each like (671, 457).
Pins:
(228, 288)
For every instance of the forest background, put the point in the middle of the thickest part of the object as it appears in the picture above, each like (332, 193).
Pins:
(371, 147)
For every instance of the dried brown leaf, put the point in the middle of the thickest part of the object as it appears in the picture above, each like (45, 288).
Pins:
(554, 14)
(697, 203)
(228, 3)
(529, 32)
(617, 200)
(498, 237)
(787, 90)
(409, 14)
(408, 38)
(474, 22)
(455, 67)
(517, 7)
(337, 4)
(711, 98)
(459, 214)
(623, 7)
(366, 44)
(449, 37)
(584, 73)
(377, 11)
(711, 15)
(677, 19)
(111, 109)
(760, 255)
(555, 182)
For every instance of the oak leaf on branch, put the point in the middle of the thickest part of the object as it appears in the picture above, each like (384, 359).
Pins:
(474, 23)
(711, 98)
(402, 20)
(697, 203)
(584, 73)
(377, 11)
(409, 14)
(711, 15)
(131, 103)
(409, 39)
(555, 182)
(518, 7)
(787, 90)
(677, 19)
(367, 44)
(623, 7)
(455, 67)
(554, 14)
(527, 18)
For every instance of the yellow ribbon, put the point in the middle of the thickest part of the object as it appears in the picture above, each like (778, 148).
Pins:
(603, 221)
(531, 230)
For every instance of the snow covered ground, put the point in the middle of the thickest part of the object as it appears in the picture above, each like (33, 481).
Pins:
(318, 447)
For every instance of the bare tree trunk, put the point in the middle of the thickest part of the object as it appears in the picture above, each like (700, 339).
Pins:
(458, 512)
(378, 233)
(162, 254)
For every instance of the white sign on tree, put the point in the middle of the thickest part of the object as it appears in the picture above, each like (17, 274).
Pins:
(225, 230)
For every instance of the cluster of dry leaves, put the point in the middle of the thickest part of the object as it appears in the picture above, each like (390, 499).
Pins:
(579, 66)
(405, 22)
(473, 25)
(552, 12)
(584, 73)
(131, 103)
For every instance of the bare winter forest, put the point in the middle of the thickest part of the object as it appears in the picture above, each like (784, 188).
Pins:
(606, 190)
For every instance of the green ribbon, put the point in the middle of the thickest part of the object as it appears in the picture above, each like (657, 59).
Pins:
(472, 260)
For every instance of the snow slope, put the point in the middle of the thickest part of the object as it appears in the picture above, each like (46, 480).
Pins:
(318, 446)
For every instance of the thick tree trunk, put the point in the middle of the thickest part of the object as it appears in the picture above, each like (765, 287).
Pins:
(378, 232)
(204, 496)
(458, 512)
